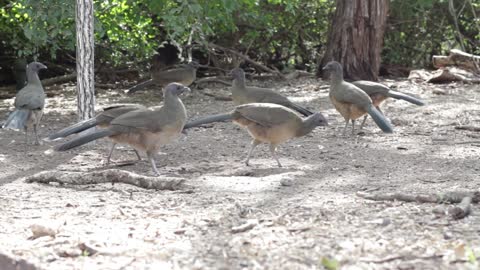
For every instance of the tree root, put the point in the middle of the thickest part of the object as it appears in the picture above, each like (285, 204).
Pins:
(106, 176)
(463, 198)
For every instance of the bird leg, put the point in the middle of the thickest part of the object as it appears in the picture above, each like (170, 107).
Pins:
(345, 127)
(364, 119)
(353, 127)
(110, 153)
(138, 155)
(273, 151)
(36, 135)
(152, 162)
(26, 140)
(254, 144)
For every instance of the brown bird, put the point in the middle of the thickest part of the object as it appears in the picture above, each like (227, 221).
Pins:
(101, 120)
(379, 93)
(145, 129)
(350, 101)
(267, 123)
(184, 75)
(243, 94)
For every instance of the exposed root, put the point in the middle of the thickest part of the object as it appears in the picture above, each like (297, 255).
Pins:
(106, 176)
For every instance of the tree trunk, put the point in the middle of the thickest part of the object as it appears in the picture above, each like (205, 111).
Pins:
(85, 68)
(356, 37)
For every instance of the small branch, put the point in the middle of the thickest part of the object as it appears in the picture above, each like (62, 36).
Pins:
(448, 197)
(469, 128)
(106, 176)
(218, 97)
(462, 209)
(60, 79)
(402, 257)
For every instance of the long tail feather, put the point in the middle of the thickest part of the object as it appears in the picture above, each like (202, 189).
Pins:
(398, 95)
(17, 119)
(301, 109)
(380, 120)
(83, 140)
(139, 86)
(208, 119)
(76, 128)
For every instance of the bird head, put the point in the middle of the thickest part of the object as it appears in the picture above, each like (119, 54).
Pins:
(36, 66)
(333, 67)
(319, 119)
(237, 73)
(176, 89)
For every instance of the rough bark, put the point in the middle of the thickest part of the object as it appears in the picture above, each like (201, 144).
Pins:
(356, 37)
(85, 57)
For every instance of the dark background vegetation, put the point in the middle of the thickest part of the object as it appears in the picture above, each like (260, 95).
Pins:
(286, 34)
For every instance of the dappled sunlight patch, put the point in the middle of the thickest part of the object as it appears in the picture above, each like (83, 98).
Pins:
(247, 183)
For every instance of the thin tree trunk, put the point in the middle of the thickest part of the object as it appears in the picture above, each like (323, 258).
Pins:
(356, 37)
(85, 68)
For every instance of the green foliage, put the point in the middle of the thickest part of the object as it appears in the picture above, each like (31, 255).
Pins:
(31, 25)
(129, 30)
(284, 33)
(417, 30)
(330, 264)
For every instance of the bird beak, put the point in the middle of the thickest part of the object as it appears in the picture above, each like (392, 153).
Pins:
(42, 66)
(325, 68)
(187, 89)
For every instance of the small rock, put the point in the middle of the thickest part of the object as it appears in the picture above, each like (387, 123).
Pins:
(40, 231)
(286, 182)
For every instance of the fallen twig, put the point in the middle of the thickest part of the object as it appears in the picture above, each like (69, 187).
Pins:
(402, 257)
(469, 128)
(250, 224)
(106, 176)
(462, 209)
(218, 97)
(60, 79)
(448, 197)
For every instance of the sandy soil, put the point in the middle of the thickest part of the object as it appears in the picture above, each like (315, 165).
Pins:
(305, 215)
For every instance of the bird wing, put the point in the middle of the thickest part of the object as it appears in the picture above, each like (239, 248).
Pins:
(264, 95)
(371, 87)
(31, 97)
(267, 114)
(145, 119)
(349, 93)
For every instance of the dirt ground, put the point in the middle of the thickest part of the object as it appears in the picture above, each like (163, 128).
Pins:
(305, 215)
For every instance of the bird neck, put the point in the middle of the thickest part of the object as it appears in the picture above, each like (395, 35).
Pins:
(32, 78)
(171, 99)
(174, 104)
(239, 82)
(336, 78)
(308, 124)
